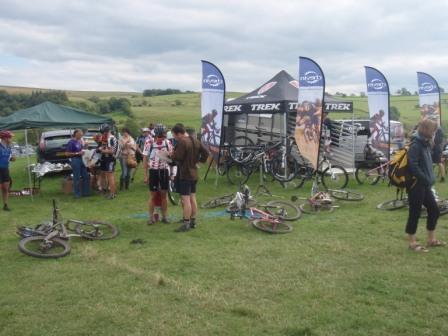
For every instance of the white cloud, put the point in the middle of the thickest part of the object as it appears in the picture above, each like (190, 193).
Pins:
(132, 45)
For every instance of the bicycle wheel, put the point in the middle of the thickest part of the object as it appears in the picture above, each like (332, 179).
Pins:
(392, 205)
(367, 175)
(346, 195)
(286, 210)
(312, 210)
(237, 151)
(285, 169)
(237, 175)
(271, 226)
(94, 230)
(173, 195)
(36, 246)
(216, 202)
(334, 177)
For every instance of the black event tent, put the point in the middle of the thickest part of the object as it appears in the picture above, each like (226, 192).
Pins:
(278, 95)
(271, 108)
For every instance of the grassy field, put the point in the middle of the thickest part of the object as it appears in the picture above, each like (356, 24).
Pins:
(347, 273)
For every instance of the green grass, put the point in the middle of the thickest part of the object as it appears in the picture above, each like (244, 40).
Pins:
(346, 273)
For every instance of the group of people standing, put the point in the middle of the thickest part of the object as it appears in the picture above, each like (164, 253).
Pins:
(166, 155)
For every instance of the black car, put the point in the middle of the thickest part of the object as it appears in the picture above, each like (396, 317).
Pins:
(53, 145)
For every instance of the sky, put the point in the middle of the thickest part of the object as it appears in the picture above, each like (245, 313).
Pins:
(111, 45)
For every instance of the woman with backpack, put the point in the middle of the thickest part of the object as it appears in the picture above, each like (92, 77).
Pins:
(419, 190)
(127, 157)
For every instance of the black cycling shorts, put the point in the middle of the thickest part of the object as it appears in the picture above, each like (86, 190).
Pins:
(4, 175)
(436, 156)
(186, 188)
(107, 165)
(159, 179)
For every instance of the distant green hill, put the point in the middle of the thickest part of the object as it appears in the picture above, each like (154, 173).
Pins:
(185, 108)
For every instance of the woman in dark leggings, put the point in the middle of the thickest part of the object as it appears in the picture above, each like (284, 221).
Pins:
(420, 167)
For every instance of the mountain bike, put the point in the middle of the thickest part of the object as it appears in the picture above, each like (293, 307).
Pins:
(271, 220)
(330, 175)
(273, 160)
(51, 239)
(318, 203)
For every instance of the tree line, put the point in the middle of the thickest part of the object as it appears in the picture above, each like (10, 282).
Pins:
(162, 92)
(10, 103)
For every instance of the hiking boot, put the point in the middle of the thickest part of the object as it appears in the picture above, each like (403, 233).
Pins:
(193, 223)
(111, 196)
(6, 208)
(184, 227)
(442, 179)
(165, 220)
(151, 221)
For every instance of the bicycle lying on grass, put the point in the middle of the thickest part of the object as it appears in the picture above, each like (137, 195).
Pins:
(51, 239)
(323, 201)
(271, 220)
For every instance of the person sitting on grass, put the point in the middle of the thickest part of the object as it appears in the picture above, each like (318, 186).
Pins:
(157, 172)
(419, 193)
(5, 157)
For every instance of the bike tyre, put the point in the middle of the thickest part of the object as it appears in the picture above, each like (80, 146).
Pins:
(60, 242)
(292, 211)
(217, 202)
(361, 176)
(89, 236)
(392, 205)
(342, 174)
(347, 195)
(308, 209)
(269, 227)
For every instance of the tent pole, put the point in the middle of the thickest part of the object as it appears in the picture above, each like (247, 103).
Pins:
(28, 168)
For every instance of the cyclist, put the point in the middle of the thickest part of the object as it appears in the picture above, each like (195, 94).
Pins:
(157, 171)
(208, 126)
(109, 151)
(377, 125)
(5, 157)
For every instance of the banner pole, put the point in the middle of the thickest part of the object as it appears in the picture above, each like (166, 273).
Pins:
(28, 168)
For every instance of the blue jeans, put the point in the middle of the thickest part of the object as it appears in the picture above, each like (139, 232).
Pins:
(125, 171)
(79, 170)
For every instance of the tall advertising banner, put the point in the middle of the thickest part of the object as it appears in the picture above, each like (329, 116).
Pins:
(212, 106)
(309, 110)
(378, 101)
(429, 97)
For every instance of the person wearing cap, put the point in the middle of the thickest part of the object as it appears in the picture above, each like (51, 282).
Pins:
(140, 142)
(157, 172)
(5, 157)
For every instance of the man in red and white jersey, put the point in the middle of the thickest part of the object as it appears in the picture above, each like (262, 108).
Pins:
(157, 170)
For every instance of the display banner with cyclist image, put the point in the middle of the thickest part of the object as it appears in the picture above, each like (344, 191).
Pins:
(309, 110)
(212, 106)
(378, 101)
(429, 97)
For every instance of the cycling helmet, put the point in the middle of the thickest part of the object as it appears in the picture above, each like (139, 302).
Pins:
(6, 134)
(104, 128)
(159, 130)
